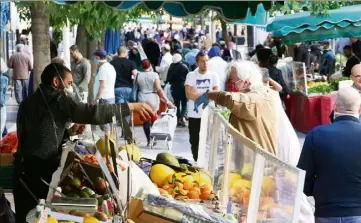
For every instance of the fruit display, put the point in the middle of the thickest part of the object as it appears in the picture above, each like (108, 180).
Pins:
(132, 150)
(181, 183)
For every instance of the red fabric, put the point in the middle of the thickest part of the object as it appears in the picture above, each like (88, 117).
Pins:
(9, 143)
(304, 111)
(327, 102)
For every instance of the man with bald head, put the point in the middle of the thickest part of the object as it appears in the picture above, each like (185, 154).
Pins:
(356, 77)
(331, 158)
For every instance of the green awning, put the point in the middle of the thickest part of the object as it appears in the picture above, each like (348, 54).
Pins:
(229, 10)
(300, 27)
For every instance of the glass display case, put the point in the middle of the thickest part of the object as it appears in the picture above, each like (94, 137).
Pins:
(251, 183)
(299, 77)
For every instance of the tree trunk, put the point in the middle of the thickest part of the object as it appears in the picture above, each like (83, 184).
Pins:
(224, 30)
(92, 45)
(81, 40)
(101, 43)
(235, 31)
(41, 40)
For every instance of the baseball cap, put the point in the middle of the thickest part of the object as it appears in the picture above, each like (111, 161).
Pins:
(325, 41)
(100, 53)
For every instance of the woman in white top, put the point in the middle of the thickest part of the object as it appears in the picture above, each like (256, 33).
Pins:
(149, 91)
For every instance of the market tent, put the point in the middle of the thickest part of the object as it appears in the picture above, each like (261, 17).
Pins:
(229, 10)
(112, 41)
(259, 18)
(300, 27)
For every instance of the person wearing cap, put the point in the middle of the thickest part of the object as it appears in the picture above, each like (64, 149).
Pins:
(134, 54)
(81, 70)
(162, 69)
(197, 83)
(104, 83)
(176, 77)
(217, 65)
(327, 62)
(149, 92)
(21, 64)
(41, 124)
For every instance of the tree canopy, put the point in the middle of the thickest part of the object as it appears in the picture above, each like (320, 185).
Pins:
(95, 16)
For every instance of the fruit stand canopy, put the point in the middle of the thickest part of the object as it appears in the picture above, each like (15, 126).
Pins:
(229, 10)
(300, 27)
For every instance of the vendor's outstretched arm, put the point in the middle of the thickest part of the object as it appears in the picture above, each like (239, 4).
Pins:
(243, 107)
(100, 113)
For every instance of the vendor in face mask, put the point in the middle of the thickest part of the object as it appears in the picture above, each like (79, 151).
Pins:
(41, 124)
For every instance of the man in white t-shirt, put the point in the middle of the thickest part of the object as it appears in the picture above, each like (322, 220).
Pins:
(198, 82)
(104, 83)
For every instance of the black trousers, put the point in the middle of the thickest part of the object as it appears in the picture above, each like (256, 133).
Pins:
(31, 173)
(180, 100)
(194, 126)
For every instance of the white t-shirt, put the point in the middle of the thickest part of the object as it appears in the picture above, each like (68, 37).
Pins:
(106, 73)
(219, 66)
(200, 83)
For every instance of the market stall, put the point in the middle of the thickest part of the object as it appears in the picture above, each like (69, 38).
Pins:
(235, 181)
(311, 99)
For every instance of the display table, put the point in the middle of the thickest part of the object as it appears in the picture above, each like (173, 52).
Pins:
(307, 112)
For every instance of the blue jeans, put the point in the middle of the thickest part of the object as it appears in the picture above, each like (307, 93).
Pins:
(122, 95)
(21, 90)
(351, 219)
(107, 127)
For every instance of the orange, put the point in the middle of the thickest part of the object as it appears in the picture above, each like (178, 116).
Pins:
(196, 189)
(162, 191)
(205, 188)
(187, 185)
(205, 194)
(193, 195)
(166, 186)
(179, 185)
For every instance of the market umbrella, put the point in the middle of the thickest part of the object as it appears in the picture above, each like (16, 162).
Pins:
(301, 27)
(259, 19)
(229, 10)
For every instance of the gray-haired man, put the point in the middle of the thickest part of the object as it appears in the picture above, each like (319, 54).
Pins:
(81, 70)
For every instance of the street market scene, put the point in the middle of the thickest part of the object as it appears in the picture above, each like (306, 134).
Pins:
(180, 111)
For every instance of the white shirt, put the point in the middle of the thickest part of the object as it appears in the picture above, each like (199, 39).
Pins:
(219, 66)
(106, 72)
(164, 65)
(200, 83)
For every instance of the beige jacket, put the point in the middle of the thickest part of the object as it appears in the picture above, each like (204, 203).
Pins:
(254, 115)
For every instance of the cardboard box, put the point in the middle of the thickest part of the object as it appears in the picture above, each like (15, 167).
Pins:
(6, 159)
(139, 215)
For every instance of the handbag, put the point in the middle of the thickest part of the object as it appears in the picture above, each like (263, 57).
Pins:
(135, 89)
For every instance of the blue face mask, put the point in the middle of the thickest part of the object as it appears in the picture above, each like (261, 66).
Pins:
(96, 61)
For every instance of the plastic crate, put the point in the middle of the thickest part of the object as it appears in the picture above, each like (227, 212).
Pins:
(6, 175)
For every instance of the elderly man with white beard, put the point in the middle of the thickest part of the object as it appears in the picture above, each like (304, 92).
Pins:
(257, 112)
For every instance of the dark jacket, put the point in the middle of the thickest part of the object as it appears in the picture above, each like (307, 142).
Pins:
(177, 74)
(327, 63)
(331, 158)
(276, 75)
(352, 61)
(152, 51)
(40, 131)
